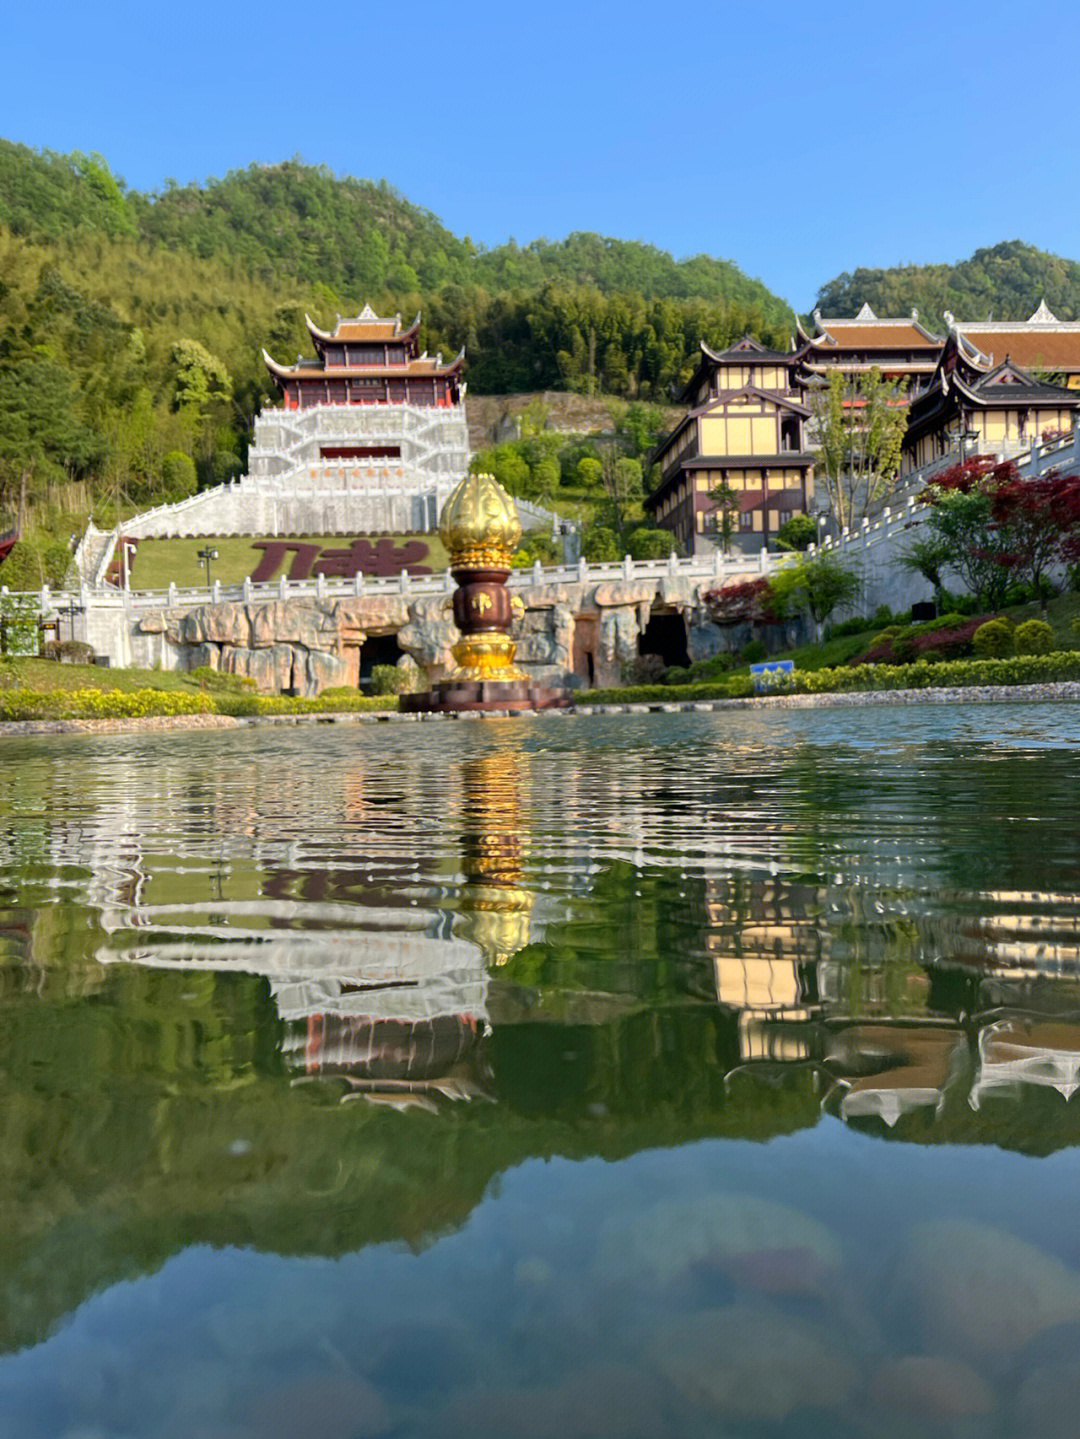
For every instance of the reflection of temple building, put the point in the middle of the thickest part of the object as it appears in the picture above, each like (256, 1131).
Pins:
(397, 1062)
(765, 948)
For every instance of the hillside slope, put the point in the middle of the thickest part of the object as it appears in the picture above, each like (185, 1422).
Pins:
(131, 325)
(1003, 282)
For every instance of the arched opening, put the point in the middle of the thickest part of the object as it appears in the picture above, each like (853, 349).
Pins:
(665, 636)
(377, 650)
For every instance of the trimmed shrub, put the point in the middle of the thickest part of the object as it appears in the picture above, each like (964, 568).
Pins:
(395, 679)
(994, 639)
(69, 652)
(212, 679)
(752, 652)
(1034, 637)
(737, 687)
(100, 704)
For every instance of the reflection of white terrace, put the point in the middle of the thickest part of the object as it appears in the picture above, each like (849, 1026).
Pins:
(1015, 1052)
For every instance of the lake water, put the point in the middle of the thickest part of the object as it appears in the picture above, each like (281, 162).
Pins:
(704, 1074)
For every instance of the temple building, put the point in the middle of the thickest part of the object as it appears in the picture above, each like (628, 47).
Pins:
(972, 407)
(370, 440)
(905, 351)
(368, 361)
(1042, 343)
(746, 426)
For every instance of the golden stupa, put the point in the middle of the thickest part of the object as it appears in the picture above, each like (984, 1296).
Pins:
(481, 530)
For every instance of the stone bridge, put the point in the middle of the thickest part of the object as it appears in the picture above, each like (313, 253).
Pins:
(582, 625)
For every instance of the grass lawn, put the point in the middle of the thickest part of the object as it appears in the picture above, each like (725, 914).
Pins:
(157, 562)
(46, 676)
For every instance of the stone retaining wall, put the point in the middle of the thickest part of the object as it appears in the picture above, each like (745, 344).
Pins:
(571, 633)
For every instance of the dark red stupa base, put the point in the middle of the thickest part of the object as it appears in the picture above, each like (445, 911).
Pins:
(450, 696)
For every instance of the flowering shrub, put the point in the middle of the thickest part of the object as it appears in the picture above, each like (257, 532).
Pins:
(743, 602)
(949, 636)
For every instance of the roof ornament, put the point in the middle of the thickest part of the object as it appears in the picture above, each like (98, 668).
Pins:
(915, 313)
(949, 318)
(1044, 315)
(367, 313)
(866, 315)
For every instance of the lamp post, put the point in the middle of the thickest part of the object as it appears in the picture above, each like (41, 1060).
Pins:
(71, 609)
(126, 548)
(206, 556)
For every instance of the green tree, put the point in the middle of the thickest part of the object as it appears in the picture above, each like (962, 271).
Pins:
(589, 473)
(600, 545)
(726, 502)
(858, 428)
(798, 533)
(928, 557)
(621, 479)
(646, 543)
(178, 478)
(546, 474)
(200, 378)
(816, 586)
(42, 438)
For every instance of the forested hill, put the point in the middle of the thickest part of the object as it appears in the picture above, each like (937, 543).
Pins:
(341, 241)
(131, 325)
(1003, 282)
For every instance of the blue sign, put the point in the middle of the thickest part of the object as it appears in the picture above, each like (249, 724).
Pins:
(762, 675)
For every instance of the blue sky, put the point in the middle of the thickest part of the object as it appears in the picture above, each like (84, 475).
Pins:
(799, 140)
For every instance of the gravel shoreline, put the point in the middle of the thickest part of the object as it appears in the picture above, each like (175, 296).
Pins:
(982, 694)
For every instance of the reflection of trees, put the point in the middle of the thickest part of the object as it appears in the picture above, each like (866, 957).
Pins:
(711, 963)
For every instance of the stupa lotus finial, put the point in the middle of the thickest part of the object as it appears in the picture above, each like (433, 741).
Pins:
(479, 525)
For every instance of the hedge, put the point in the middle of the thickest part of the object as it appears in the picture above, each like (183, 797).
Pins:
(17, 704)
(737, 687)
(20, 704)
(947, 674)
(242, 706)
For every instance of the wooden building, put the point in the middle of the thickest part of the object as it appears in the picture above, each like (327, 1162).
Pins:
(368, 361)
(905, 351)
(746, 426)
(972, 408)
(1042, 343)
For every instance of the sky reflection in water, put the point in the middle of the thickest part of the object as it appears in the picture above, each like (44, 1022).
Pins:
(684, 1075)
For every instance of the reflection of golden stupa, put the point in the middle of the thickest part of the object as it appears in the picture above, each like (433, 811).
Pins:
(497, 907)
(480, 528)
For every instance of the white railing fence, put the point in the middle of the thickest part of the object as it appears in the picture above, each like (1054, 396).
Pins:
(718, 566)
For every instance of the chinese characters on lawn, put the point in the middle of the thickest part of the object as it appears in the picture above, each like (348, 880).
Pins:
(367, 557)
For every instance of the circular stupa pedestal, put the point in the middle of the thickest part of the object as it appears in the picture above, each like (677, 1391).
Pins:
(480, 528)
(450, 695)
